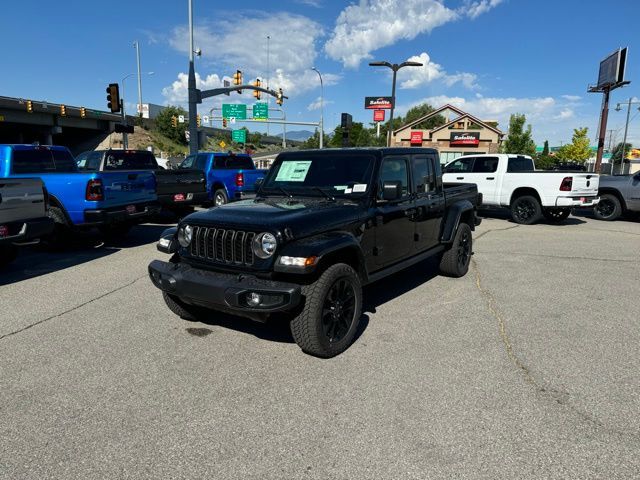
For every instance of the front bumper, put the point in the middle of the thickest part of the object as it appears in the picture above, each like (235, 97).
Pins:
(28, 231)
(121, 214)
(169, 200)
(223, 291)
(577, 201)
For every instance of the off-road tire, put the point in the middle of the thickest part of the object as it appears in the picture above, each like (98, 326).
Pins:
(526, 210)
(61, 234)
(455, 261)
(307, 328)
(556, 215)
(608, 208)
(181, 309)
(8, 254)
(220, 197)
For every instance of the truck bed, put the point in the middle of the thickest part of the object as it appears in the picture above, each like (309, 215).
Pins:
(454, 192)
(21, 199)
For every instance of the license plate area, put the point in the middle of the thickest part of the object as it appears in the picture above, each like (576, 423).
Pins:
(131, 209)
(179, 197)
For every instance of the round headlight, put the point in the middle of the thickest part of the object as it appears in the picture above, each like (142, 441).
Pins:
(265, 245)
(184, 235)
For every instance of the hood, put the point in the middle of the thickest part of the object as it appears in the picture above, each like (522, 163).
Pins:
(302, 216)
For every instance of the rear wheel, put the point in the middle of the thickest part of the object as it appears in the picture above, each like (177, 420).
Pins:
(556, 215)
(183, 310)
(608, 208)
(220, 197)
(455, 261)
(329, 320)
(526, 210)
(8, 254)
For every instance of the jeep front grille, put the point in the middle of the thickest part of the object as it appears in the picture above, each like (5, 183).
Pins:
(224, 246)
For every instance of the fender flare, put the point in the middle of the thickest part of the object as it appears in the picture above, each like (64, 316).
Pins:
(454, 215)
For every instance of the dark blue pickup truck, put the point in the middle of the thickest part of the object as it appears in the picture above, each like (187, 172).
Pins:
(229, 176)
(112, 201)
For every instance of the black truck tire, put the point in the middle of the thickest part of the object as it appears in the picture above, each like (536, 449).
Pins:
(455, 261)
(220, 197)
(556, 215)
(184, 311)
(8, 254)
(61, 234)
(526, 210)
(608, 208)
(329, 320)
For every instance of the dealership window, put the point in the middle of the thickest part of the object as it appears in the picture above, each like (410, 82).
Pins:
(462, 165)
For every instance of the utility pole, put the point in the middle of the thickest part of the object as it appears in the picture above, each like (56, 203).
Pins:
(321, 144)
(626, 129)
(268, 75)
(193, 93)
(137, 47)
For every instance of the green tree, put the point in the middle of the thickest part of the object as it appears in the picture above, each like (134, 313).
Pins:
(545, 149)
(163, 124)
(544, 161)
(354, 135)
(578, 150)
(519, 139)
(419, 111)
(616, 153)
(314, 141)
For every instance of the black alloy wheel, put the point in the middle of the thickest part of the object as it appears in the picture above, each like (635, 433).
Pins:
(464, 250)
(608, 208)
(526, 210)
(338, 310)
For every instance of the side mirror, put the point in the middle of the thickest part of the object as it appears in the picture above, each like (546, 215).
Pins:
(391, 190)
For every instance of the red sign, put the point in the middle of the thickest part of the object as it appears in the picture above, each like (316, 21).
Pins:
(464, 138)
(378, 115)
(416, 137)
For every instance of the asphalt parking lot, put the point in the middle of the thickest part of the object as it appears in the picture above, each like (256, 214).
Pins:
(528, 367)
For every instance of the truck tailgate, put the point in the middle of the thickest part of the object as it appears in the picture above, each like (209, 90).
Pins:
(180, 181)
(128, 187)
(21, 199)
(585, 184)
(250, 179)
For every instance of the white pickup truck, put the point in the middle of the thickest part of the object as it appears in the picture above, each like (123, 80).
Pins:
(511, 181)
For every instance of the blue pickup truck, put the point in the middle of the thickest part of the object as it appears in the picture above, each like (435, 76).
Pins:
(229, 176)
(112, 201)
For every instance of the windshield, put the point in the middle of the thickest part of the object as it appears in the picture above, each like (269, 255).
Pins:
(337, 174)
(128, 160)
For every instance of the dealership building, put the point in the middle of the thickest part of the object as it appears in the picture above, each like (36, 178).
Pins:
(462, 134)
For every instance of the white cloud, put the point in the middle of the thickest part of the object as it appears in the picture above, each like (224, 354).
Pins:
(372, 24)
(242, 44)
(572, 98)
(564, 114)
(318, 103)
(310, 3)
(475, 9)
(414, 77)
(177, 92)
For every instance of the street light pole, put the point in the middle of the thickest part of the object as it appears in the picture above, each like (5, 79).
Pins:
(137, 47)
(394, 67)
(193, 93)
(626, 129)
(321, 144)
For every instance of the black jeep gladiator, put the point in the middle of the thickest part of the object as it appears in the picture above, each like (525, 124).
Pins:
(324, 223)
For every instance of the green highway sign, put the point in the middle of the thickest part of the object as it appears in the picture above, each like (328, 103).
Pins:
(260, 111)
(234, 110)
(239, 136)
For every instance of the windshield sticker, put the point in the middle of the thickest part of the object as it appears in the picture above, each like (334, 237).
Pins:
(348, 190)
(340, 187)
(293, 171)
(359, 187)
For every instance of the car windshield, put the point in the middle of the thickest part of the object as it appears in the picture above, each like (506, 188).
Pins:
(318, 174)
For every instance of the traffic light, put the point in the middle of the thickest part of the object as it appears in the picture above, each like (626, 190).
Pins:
(237, 79)
(63, 110)
(279, 97)
(256, 93)
(29, 106)
(83, 112)
(113, 97)
(174, 121)
(198, 120)
(224, 123)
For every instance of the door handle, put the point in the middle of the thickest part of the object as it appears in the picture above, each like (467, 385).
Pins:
(491, 178)
(459, 178)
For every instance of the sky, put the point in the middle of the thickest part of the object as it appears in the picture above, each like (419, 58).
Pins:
(491, 58)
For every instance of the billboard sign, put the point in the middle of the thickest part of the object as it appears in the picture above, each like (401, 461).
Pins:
(612, 69)
(378, 115)
(378, 103)
(416, 138)
(464, 139)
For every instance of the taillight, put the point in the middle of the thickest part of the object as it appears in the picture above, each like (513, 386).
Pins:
(566, 184)
(239, 179)
(94, 190)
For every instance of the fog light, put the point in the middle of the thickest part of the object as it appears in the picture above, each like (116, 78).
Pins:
(164, 242)
(254, 299)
